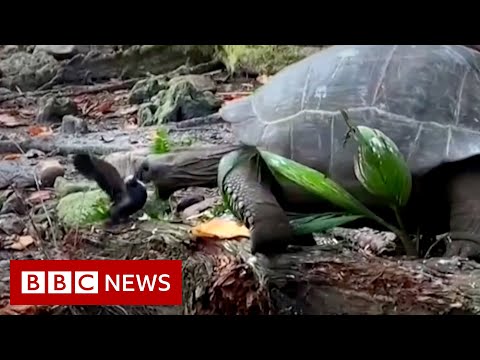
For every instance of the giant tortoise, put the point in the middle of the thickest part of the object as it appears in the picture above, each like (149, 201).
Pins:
(424, 97)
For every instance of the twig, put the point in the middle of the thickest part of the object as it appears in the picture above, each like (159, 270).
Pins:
(440, 238)
(75, 90)
(37, 232)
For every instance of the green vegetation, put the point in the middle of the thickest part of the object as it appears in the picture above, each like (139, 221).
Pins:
(260, 59)
(161, 142)
(83, 208)
(379, 167)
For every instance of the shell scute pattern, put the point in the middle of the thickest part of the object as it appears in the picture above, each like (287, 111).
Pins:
(424, 97)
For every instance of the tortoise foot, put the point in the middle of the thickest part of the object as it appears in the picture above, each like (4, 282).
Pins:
(464, 248)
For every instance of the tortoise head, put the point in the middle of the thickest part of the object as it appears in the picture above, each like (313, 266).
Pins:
(161, 172)
(180, 169)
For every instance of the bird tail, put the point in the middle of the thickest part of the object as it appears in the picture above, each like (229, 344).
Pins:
(103, 173)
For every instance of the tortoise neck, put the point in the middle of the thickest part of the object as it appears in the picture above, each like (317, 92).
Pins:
(194, 167)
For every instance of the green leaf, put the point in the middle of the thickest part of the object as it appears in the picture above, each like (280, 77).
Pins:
(380, 166)
(315, 182)
(321, 222)
(161, 142)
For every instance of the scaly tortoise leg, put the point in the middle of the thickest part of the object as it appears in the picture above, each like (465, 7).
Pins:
(252, 201)
(464, 197)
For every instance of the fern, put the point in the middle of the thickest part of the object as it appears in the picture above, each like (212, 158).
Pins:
(161, 142)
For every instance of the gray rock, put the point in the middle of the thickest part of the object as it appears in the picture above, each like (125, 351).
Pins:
(8, 50)
(74, 125)
(48, 171)
(52, 110)
(61, 52)
(16, 173)
(198, 207)
(188, 201)
(34, 153)
(145, 89)
(25, 63)
(200, 82)
(11, 224)
(14, 204)
(181, 101)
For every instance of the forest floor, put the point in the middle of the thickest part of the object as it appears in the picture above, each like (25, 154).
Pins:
(36, 149)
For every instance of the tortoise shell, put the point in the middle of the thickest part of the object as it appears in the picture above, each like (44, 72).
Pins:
(424, 97)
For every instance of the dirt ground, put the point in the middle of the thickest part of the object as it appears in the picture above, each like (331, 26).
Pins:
(108, 115)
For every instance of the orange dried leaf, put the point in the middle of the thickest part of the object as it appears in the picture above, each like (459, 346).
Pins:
(220, 229)
(39, 196)
(22, 243)
(12, 157)
(38, 131)
(105, 107)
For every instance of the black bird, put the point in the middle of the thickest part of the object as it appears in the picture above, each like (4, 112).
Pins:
(128, 195)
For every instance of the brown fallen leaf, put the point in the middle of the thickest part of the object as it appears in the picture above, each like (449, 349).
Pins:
(12, 157)
(220, 229)
(10, 121)
(22, 243)
(127, 111)
(105, 107)
(39, 196)
(39, 131)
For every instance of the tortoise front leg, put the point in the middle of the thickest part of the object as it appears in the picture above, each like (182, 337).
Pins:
(464, 197)
(252, 201)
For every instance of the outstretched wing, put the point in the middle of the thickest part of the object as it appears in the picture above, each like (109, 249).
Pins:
(104, 174)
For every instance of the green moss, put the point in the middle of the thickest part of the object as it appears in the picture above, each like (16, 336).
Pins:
(63, 187)
(145, 89)
(259, 59)
(174, 102)
(83, 208)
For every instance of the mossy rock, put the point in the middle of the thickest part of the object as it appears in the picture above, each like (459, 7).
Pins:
(63, 187)
(260, 59)
(145, 89)
(181, 100)
(84, 208)
(138, 60)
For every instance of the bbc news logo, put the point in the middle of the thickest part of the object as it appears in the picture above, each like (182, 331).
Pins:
(95, 282)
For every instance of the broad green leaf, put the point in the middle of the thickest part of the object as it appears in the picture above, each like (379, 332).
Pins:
(315, 182)
(381, 168)
(321, 222)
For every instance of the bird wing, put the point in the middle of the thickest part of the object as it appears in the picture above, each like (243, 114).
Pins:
(103, 173)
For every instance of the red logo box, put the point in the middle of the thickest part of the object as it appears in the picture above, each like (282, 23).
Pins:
(95, 282)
